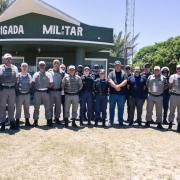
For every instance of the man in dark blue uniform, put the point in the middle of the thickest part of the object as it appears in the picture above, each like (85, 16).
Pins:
(95, 73)
(86, 95)
(101, 90)
(80, 70)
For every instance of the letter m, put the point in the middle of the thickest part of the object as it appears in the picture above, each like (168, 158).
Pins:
(47, 31)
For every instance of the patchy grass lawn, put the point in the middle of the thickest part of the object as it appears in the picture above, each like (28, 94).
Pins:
(89, 153)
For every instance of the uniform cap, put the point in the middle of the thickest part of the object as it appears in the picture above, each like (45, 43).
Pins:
(42, 62)
(96, 65)
(7, 55)
(157, 67)
(101, 71)
(178, 66)
(80, 65)
(147, 64)
(127, 66)
(117, 62)
(71, 67)
(86, 68)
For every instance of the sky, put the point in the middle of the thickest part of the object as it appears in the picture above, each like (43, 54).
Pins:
(155, 20)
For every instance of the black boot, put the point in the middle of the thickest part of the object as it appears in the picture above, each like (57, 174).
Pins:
(81, 122)
(165, 116)
(96, 123)
(49, 123)
(35, 124)
(104, 123)
(2, 126)
(66, 122)
(178, 127)
(13, 125)
(147, 125)
(89, 121)
(27, 123)
(74, 123)
(58, 121)
(17, 123)
(170, 126)
(159, 126)
(130, 122)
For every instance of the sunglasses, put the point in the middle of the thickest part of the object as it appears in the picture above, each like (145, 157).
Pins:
(178, 68)
(127, 68)
(62, 67)
(147, 66)
(96, 67)
(42, 65)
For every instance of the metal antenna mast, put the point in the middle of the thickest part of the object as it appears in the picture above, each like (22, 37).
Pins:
(129, 32)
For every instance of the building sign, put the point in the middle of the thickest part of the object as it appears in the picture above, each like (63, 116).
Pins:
(12, 29)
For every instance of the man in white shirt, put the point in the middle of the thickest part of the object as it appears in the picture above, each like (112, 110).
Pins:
(23, 94)
(174, 89)
(42, 80)
(8, 79)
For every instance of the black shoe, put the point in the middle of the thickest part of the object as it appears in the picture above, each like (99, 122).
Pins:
(27, 123)
(13, 125)
(17, 123)
(35, 124)
(147, 125)
(2, 126)
(49, 123)
(170, 126)
(66, 122)
(104, 123)
(81, 122)
(165, 121)
(139, 124)
(74, 123)
(159, 126)
(96, 123)
(57, 121)
(178, 127)
(89, 122)
(130, 123)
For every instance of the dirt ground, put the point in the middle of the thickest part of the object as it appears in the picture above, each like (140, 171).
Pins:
(111, 153)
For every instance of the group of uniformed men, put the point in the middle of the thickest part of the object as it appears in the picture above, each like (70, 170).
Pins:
(56, 87)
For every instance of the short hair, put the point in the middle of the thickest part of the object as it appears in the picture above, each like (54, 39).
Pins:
(56, 60)
(24, 63)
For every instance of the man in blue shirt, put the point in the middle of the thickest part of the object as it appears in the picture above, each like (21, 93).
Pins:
(136, 86)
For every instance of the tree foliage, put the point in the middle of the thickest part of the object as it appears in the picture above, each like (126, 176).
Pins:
(119, 41)
(4, 4)
(161, 54)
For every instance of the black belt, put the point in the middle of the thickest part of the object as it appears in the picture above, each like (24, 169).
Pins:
(41, 90)
(86, 91)
(8, 87)
(101, 94)
(56, 89)
(71, 93)
(174, 94)
(24, 93)
(156, 95)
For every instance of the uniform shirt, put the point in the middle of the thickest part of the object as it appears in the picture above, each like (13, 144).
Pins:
(48, 75)
(16, 70)
(72, 84)
(118, 80)
(171, 79)
(30, 79)
(95, 76)
(102, 89)
(136, 89)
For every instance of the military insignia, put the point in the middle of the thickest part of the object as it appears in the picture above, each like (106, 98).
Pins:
(44, 77)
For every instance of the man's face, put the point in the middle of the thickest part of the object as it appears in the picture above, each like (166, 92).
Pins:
(72, 71)
(157, 72)
(62, 68)
(102, 75)
(178, 70)
(127, 69)
(80, 69)
(24, 68)
(137, 71)
(56, 64)
(96, 68)
(42, 67)
(117, 67)
(147, 68)
(7, 61)
(165, 73)
(86, 72)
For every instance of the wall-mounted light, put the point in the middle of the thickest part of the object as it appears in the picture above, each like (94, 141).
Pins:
(16, 52)
(39, 50)
(99, 37)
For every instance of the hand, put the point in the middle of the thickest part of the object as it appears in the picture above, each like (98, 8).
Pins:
(117, 88)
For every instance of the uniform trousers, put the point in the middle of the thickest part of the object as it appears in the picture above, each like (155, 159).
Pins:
(158, 102)
(25, 101)
(174, 103)
(45, 99)
(7, 96)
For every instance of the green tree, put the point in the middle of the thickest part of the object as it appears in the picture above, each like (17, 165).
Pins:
(161, 54)
(119, 41)
(4, 4)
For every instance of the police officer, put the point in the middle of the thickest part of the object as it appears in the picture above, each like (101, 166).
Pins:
(23, 94)
(166, 96)
(86, 95)
(63, 73)
(79, 70)
(71, 84)
(8, 79)
(128, 71)
(55, 91)
(42, 81)
(95, 73)
(101, 90)
(174, 89)
(156, 85)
